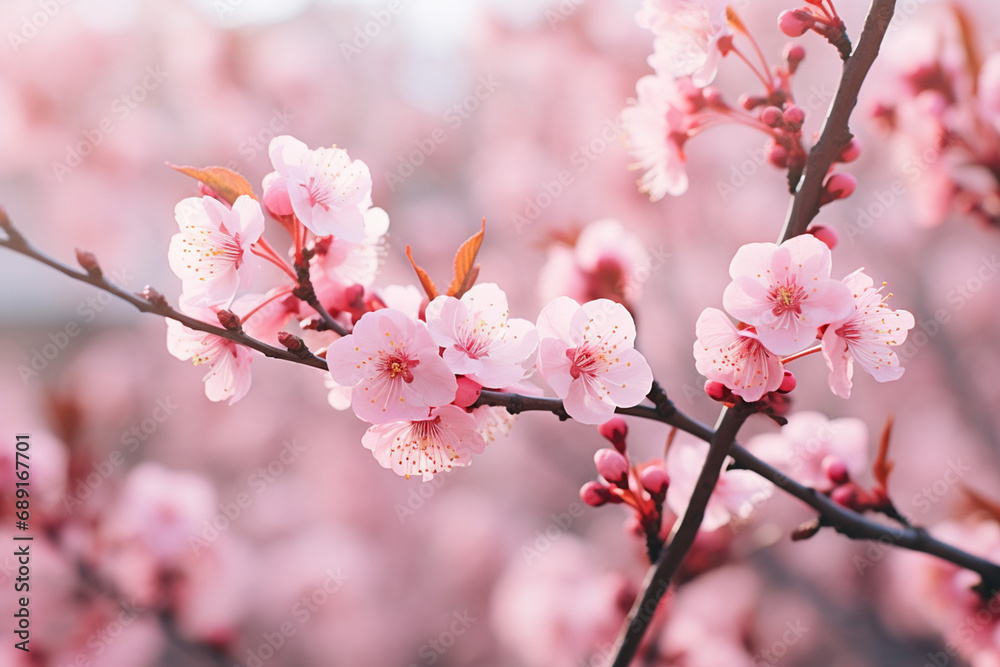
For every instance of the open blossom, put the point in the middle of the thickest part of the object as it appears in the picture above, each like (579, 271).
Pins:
(810, 443)
(736, 358)
(586, 355)
(393, 364)
(785, 292)
(445, 439)
(478, 338)
(211, 254)
(229, 363)
(866, 336)
(687, 37)
(655, 130)
(607, 261)
(735, 496)
(328, 193)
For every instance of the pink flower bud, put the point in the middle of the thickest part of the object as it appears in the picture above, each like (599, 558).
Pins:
(611, 465)
(777, 155)
(826, 234)
(794, 116)
(847, 495)
(718, 391)
(615, 430)
(751, 102)
(788, 382)
(209, 192)
(794, 54)
(655, 479)
(594, 494)
(835, 470)
(468, 392)
(838, 186)
(276, 198)
(771, 116)
(795, 22)
(88, 261)
(851, 151)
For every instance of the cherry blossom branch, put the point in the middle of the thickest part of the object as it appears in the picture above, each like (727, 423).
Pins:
(305, 292)
(845, 521)
(150, 301)
(836, 133)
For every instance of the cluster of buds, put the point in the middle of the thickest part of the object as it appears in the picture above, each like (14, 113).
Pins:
(775, 404)
(643, 487)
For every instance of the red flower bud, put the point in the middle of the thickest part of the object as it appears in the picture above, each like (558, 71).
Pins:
(836, 470)
(788, 382)
(655, 479)
(826, 234)
(615, 430)
(595, 494)
(794, 116)
(794, 54)
(468, 392)
(795, 22)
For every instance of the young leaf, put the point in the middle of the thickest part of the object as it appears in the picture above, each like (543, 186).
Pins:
(466, 269)
(882, 466)
(227, 183)
(429, 287)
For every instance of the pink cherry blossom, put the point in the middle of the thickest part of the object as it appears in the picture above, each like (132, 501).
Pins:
(655, 131)
(866, 337)
(479, 339)
(586, 355)
(607, 261)
(734, 357)
(810, 443)
(687, 35)
(212, 254)
(444, 440)
(328, 193)
(393, 364)
(785, 292)
(735, 496)
(229, 363)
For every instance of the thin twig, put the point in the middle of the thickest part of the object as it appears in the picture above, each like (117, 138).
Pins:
(16, 242)
(845, 521)
(836, 133)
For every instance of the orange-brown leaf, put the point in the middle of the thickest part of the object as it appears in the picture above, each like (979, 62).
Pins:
(425, 280)
(466, 270)
(883, 466)
(967, 31)
(225, 182)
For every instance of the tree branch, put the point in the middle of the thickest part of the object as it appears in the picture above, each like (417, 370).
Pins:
(836, 133)
(658, 578)
(152, 302)
(845, 521)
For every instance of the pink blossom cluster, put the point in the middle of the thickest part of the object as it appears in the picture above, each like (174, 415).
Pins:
(943, 108)
(784, 301)
(678, 102)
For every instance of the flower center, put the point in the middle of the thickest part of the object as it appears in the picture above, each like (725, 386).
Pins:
(399, 366)
(787, 298)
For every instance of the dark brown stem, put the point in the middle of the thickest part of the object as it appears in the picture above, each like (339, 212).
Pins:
(307, 293)
(836, 133)
(16, 242)
(658, 578)
(845, 521)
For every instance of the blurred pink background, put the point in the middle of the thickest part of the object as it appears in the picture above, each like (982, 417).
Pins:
(333, 560)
